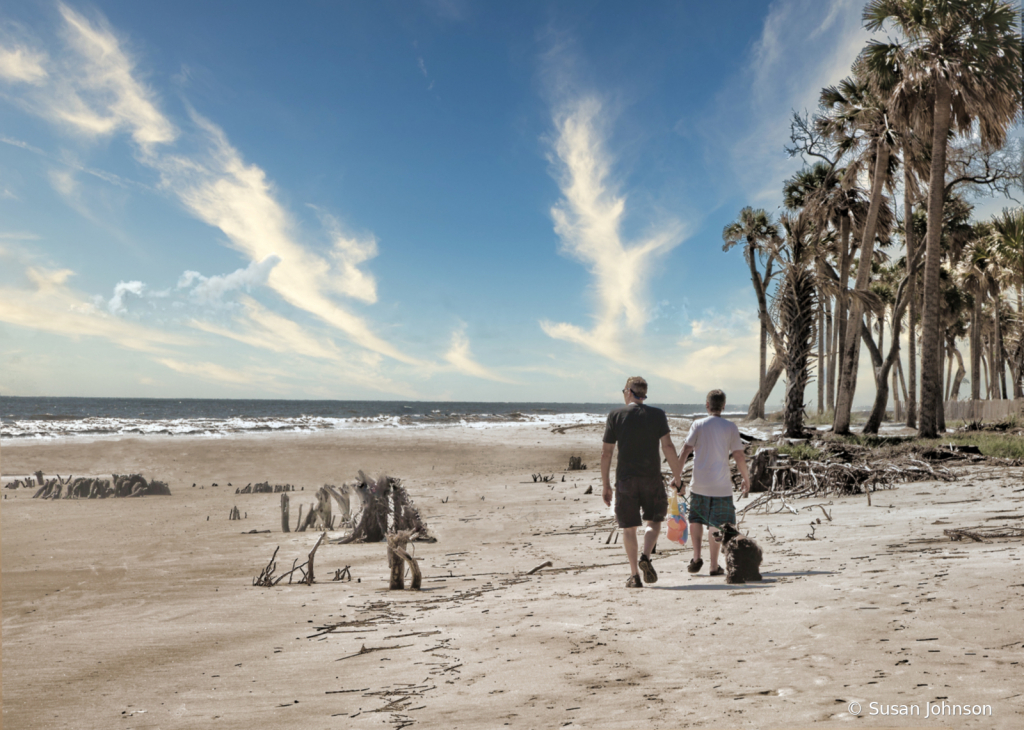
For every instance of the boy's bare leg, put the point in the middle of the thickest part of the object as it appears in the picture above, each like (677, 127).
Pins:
(651, 537)
(696, 536)
(629, 542)
(714, 546)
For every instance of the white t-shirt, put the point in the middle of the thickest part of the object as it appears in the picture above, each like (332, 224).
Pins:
(713, 440)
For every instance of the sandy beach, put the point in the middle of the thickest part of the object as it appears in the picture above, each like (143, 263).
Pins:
(141, 613)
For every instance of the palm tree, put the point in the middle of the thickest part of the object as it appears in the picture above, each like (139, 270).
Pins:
(967, 55)
(979, 278)
(855, 114)
(761, 236)
(821, 191)
(1008, 239)
(796, 302)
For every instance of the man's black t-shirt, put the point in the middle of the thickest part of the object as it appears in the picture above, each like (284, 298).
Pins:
(638, 430)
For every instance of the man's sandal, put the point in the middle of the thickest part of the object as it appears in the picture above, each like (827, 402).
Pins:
(650, 574)
(717, 571)
(634, 582)
(695, 565)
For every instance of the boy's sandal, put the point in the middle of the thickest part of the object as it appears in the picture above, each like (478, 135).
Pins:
(717, 571)
(695, 565)
(634, 582)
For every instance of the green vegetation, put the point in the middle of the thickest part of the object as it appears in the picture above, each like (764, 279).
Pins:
(800, 452)
(1002, 445)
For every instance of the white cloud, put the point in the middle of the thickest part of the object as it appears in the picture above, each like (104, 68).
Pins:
(222, 190)
(116, 305)
(211, 290)
(460, 357)
(22, 64)
(94, 90)
(267, 379)
(804, 46)
(50, 305)
(588, 220)
(98, 92)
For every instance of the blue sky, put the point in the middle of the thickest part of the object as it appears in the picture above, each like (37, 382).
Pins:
(394, 200)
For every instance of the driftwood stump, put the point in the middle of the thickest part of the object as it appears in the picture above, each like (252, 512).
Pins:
(397, 559)
(309, 561)
(284, 513)
(761, 471)
(385, 509)
(235, 514)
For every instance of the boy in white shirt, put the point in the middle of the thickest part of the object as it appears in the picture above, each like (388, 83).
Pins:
(712, 440)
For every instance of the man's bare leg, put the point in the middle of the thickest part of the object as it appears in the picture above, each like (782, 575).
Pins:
(651, 537)
(629, 542)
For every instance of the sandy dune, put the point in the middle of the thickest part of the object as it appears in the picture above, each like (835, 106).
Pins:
(140, 613)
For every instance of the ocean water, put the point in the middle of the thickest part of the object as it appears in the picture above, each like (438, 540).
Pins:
(62, 418)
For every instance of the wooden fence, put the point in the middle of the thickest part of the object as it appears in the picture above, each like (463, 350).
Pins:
(972, 410)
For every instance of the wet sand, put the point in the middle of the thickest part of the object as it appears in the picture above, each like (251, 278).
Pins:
(141, 613)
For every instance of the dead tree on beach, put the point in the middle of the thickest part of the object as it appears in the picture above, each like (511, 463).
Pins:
(267, 579)
(386, 508)
(397, 559)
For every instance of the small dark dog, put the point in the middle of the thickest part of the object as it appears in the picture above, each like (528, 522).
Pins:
(742, 555)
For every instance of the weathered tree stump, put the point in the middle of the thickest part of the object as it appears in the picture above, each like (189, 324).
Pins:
(576, 463)
(284, 513)
(397, 559)
(234, 514)
(761, 469)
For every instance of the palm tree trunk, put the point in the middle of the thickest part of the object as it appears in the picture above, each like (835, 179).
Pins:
(762, 316)
(830, 336)
(851, 347)
(775, 369)
(940, 406)
(903, 382)
(986, 358)
(931, 344)
(843, 298)
(908, 232)
(949, 370)
(976, 347)
(958, 378)
(821, 353)
(999, 361)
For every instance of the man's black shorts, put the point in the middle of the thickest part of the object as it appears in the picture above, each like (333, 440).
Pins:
(636, 495)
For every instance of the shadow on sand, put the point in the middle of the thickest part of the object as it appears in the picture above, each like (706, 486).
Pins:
(769, 578)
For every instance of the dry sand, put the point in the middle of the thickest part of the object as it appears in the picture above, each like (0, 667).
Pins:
(140, 613)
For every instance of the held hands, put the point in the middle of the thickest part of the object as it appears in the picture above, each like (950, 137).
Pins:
(677, 485)
(606, 495)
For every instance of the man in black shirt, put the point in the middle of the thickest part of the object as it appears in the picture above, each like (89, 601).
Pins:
(639, 487)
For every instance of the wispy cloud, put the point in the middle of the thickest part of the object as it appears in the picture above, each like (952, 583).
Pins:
(50, 305)
(588, 220)
(21, 64)
(804, 46)
(268, 379)
(460, 357)
(92, 88)
(211, 290)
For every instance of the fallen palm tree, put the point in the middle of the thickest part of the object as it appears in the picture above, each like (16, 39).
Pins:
(831, 478)
(121, 485)
(265, 488)
(983, 534)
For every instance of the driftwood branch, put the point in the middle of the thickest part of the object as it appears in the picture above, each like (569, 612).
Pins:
(545, 564)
